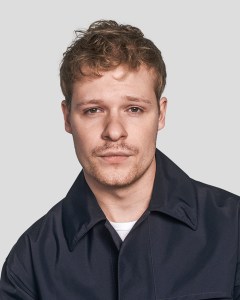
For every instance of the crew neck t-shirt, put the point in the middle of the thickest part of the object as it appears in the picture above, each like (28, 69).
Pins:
(123, 228)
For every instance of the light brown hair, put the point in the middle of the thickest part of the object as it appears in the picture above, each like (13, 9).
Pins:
(104, 46)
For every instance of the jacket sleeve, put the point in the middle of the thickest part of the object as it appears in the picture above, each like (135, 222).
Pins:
(17, 277)
(11, 287)
(236, 290)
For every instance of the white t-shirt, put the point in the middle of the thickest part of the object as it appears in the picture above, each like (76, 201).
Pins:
(123, 228)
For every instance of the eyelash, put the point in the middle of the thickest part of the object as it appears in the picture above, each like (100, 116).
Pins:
(140, 110)
(88, 111)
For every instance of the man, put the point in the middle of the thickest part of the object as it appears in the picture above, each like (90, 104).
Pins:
(133, 225)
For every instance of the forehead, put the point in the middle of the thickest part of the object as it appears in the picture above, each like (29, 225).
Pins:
(117, 82)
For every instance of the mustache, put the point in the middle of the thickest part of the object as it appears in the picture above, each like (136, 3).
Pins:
(100, 150)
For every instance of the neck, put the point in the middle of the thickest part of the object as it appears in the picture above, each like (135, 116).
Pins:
(124, 204)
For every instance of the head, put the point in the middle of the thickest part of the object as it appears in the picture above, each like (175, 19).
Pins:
(104, 46)
(112, 78)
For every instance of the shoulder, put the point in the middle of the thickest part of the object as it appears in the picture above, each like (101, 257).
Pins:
(214, 194)
(53, 216)
(216, 205)
(19, 268)
(40, 230)
(206, 195)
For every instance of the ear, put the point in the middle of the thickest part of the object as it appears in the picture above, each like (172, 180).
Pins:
(162, 112)
(66, 115)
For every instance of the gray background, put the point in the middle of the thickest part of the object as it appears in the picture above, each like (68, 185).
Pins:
(199, 41)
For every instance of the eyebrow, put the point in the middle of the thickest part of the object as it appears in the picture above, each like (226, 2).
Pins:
(137, 99)
(99, 101)
(92, 101)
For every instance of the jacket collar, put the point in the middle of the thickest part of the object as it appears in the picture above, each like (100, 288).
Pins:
(80, 211)
(173, 194)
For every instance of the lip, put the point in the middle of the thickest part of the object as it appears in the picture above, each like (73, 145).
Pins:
(118, 153)
(115, 157)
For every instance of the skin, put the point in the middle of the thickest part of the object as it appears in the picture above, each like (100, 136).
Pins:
(114, 121)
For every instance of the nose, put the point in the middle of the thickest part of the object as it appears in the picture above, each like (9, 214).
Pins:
(114, 129)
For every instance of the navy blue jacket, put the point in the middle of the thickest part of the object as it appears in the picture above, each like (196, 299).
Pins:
(185, 246)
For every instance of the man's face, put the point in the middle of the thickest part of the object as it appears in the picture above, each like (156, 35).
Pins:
(114, 122)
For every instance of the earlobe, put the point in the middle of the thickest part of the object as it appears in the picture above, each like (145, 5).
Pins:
(66, 115)
(162, 112)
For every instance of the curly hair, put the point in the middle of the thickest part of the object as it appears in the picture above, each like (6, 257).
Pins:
(104, 46)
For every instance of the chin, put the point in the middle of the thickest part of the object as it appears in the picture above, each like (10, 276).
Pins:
(115, 183)
(115, 179)
(116, 176)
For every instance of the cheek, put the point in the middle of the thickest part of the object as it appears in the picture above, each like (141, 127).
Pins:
(146, 129)
(82, 127)
(144, 137)
(85, 140)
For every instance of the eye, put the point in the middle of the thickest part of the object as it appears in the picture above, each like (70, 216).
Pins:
(92, 110)
(135, 109)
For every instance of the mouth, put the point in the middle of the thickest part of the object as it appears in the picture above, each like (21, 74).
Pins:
(115, 157)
